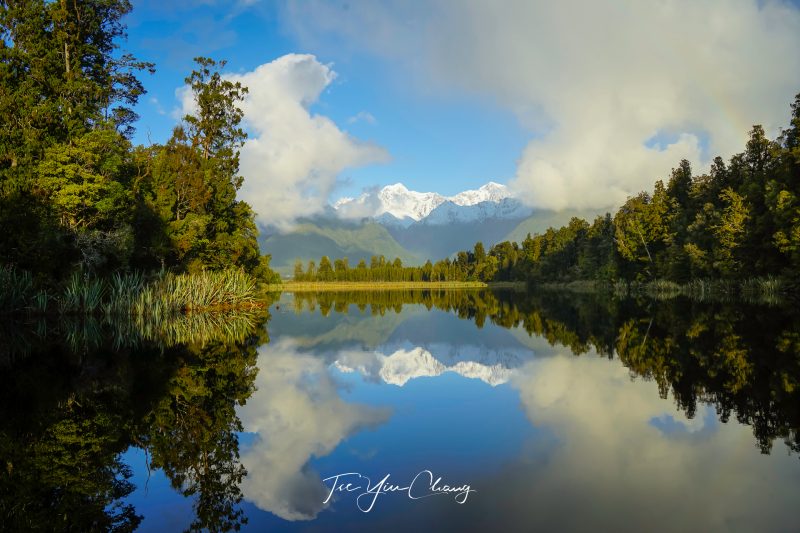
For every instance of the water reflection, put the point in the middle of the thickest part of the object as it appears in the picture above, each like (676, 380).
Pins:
(75, 395)
(635, 412)
(742, 359)
(297, 413)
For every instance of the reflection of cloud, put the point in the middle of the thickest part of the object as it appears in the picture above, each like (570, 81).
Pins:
(608, 455)
(297, 413)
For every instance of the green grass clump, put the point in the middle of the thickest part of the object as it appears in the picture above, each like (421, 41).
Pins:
(132, 294)
(16, 288)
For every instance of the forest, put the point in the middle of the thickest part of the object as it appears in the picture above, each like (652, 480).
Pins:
(77, 198)
(738, 223)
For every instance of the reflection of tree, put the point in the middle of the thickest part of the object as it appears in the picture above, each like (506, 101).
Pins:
(193, 431)
(67, 414)
(62, 428)
(742, 359)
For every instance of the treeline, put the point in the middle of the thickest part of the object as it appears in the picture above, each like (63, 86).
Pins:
(739, 220)
(462, 268)
(75, 194)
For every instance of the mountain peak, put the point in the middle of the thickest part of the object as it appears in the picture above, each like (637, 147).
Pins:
(491, 192)
(400, 202)
(399, 187)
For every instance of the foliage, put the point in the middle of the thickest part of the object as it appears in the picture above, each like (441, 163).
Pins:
(84, 199)
(162, 295)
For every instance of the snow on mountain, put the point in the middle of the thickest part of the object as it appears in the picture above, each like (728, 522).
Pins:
(401, 203)
(451, 213)
(396, 205)
(491, 192)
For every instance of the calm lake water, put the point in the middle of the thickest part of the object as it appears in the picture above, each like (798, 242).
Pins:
(545, 412)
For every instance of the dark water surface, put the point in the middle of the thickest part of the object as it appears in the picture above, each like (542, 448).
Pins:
(545, 412)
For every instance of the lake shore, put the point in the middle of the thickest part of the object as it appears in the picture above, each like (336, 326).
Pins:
(299, 286)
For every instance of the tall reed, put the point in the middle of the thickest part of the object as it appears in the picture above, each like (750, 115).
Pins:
(131, 294)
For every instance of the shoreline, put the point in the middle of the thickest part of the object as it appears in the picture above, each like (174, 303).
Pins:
(322, 286)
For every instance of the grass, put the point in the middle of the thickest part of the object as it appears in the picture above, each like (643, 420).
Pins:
(129, 294)
(299, 286)
(16, 288)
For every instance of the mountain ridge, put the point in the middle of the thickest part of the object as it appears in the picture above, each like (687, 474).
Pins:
(398, 201)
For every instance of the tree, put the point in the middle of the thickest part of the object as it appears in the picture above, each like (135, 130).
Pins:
(61, 75)
(729, 231)
(642, 227)
(194, 182)
(325, 272)
(64, 90)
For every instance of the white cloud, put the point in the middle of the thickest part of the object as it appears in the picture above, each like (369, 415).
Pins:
(292, 158)
(297, 413)
(592, 80)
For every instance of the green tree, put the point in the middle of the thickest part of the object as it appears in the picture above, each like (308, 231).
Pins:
(298, 270)
(325, 272)
(729, 232)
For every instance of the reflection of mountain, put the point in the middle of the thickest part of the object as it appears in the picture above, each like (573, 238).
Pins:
(401, 366)
(396, 347)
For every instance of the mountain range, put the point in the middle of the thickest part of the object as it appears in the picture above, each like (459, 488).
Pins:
(414, 226)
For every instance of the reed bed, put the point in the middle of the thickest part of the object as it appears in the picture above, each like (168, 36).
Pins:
(132, 294)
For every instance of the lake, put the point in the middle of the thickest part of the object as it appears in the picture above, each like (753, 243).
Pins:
(465, 410)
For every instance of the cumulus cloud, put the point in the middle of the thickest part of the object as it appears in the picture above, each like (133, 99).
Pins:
(292, 157)
(593, 81)
(296, 413)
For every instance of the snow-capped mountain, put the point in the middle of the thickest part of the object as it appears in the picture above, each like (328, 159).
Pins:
(395, 205)
(491, 192)
(402, 203)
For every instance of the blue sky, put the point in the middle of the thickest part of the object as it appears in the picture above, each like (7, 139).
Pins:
(446, 145)
(575, 104)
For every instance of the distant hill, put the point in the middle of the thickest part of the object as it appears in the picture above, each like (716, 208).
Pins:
(312, 239)
(437, 241)
(540, 220)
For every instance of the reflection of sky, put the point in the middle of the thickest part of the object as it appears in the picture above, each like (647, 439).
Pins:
(565, 443)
